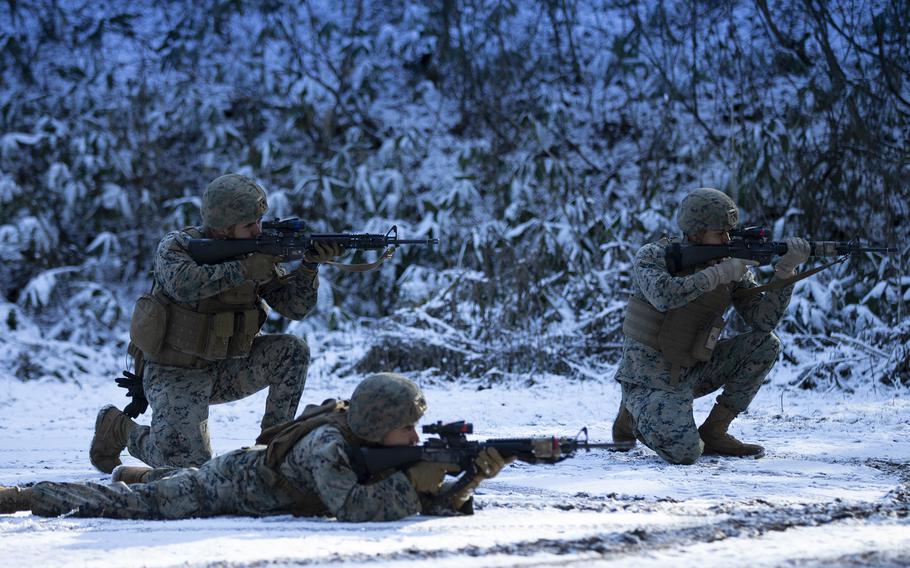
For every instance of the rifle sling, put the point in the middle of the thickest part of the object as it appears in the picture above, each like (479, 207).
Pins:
(779, 284)
(276, 283)
(364, 267)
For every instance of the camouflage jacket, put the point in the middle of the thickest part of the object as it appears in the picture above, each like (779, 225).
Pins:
(317, 465)
(320, 462)
(653, 283)
(317, 469)
(187, 282)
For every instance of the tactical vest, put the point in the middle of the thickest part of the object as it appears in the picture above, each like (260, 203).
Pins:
(194, 336)
(281, 438)
(685, 336)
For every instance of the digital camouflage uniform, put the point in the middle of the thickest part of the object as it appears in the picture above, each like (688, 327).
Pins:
(657, 393)
(662, 411)
(180, 395)
(306, 471)
(239, 483)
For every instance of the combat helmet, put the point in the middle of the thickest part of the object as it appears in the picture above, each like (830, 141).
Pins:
(382, 403)
(706, 209)
(232, 199)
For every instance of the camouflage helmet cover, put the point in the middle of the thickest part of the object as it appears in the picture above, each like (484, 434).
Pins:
(706, 209)
(232, 199)
(382, 403)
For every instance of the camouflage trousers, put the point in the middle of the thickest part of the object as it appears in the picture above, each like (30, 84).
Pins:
(180, 399)
(230, 484)
(663, 419)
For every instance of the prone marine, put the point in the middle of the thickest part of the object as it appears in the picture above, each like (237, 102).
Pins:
(308, 468)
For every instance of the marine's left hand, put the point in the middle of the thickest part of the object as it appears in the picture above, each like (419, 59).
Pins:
(323, 252)
(488, 464)
(798, 251)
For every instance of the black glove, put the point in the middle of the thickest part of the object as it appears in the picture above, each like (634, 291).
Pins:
(133, 385)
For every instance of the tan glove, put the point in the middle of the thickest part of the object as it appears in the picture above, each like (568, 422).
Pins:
(323, 252)
(259, 268)
(488, 464)
(798, 251)
(730, 270)
(427, 477)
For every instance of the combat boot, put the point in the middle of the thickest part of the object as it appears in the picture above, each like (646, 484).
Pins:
(622, 429)
(15, 499)
(131, 474)
(718, 442)
(112, 433)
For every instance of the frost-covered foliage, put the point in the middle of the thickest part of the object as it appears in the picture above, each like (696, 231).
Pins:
(542, 141)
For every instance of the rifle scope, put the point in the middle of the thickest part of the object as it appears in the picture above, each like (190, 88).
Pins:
(460, 427)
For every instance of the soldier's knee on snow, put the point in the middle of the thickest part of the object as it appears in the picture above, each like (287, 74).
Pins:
(682, 454)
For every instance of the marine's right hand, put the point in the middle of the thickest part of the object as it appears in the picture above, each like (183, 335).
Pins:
(427, 477)
(259, 268)
(730, 270)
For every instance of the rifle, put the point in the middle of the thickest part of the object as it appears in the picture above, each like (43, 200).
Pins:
(452, 447)
(286, 238)
(751, 243)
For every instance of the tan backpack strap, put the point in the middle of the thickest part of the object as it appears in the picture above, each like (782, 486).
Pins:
(783, 283)
(281, 438)
(365, 267)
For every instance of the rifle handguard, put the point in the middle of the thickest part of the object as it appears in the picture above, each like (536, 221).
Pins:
(547, 449)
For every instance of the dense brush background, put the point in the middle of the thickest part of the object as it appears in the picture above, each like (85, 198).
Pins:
(542, 141)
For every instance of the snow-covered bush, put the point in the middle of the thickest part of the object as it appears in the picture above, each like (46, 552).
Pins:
(542, 142)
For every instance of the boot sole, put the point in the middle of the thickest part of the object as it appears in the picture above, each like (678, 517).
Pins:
(708, 452)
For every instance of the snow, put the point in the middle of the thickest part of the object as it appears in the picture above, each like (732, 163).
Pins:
(825, 451)
(594, 168)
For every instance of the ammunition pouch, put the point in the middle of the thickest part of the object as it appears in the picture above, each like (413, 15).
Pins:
(174, 334)
(149, 323)
(685, 336)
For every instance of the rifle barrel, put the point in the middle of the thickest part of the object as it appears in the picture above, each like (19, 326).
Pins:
(415, 242)
(839, 248)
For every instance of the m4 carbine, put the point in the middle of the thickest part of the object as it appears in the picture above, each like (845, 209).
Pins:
(452, 447)
(751, 243)
(286, 238)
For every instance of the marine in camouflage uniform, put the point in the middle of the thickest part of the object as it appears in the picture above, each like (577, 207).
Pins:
(306, 469)
(207, 348)
(659, 378)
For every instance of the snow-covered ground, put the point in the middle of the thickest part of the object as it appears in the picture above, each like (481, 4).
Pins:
(833, 488)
